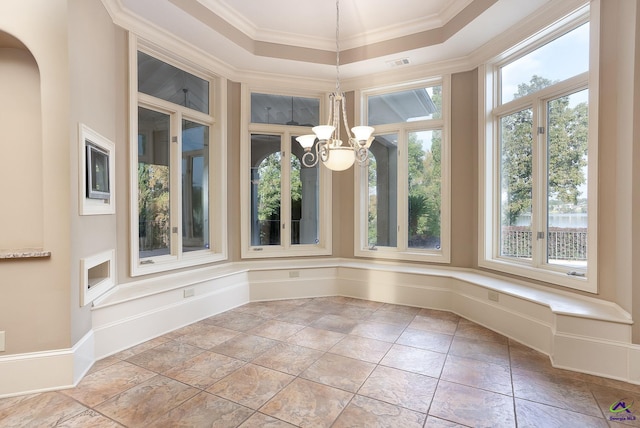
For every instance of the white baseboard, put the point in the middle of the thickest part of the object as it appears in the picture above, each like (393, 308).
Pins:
(578, 333)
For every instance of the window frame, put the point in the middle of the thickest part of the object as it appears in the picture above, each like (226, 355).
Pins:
(402, 251)
(286, 132)
(491, 110)
(217, 177)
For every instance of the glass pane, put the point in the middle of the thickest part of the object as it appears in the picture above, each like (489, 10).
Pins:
(304, 198)
(195, 186)
(153, 183)
(567, 138)
(266, 170)
(424, 160)
(169, 83)
(405, 106)
(383, 184)
(285, 110)
(558, 60)
(516, 143)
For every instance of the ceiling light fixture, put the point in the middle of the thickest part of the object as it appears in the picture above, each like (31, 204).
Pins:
(331, 150)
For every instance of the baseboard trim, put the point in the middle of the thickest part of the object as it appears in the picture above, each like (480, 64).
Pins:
(578, 333)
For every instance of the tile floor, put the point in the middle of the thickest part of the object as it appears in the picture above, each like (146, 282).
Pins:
(329, 362)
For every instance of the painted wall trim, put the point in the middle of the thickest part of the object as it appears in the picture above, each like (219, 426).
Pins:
(578, 333)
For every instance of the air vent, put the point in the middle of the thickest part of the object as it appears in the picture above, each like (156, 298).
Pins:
(398, 62)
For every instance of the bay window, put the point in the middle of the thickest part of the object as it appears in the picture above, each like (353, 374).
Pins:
(177, 170)
(286, 205)
(403, 199)
(537, 214)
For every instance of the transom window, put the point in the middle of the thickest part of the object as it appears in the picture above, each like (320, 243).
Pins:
(286, 202)
(403, 210)
(537, 210)
(176, 168)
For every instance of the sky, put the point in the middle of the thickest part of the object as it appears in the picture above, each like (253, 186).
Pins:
(559, 59)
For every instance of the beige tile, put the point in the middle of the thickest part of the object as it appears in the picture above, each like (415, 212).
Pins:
(288, 358)
(337, 323)
(362, 303)
(435, 314)
(433, 422)
(260, 420)
(40, 410)
(338, 371)
(316, 338)
(300, 315)
(99, 386)
(612, 401)
(245, 347)
(277, 330)
(391, 317)
(490, 352)
(378, 330)
(367, 412)
(415, 360)
(471, 406)
(206, 336)
(13, 402)
(308, 404)
(472, 330)
(361, 348)
(556, 391)
(138, 349)
(102, 363)
(411, 390)
(204, 369)
(492, 377)
(88, 418)
(429, 340)
(237, 321)
(251, 385)
(146, 402)
(354, 313)
(204, 410)
(324, 305)
(536, 415)
(165, 356)
(410, 310)
(432, 323)
(523, 357)
(266, 310)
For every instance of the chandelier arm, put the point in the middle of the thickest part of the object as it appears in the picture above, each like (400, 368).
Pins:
(344, 119)
(310, 155)
(362, 154)
(323, 151)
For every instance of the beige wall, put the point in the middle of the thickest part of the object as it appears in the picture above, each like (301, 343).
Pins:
(93, 102)
(615, 210)
(82, 60)
(464, 169)
(635, 235)
(34, 293)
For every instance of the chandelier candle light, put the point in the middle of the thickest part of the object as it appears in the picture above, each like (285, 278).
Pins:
(334, 154)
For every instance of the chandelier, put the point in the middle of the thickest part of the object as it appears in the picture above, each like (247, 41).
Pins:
(331, 150)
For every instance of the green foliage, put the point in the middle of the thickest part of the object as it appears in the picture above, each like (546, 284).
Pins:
(425, 171)
(153, 205)
(269, 187)
(567, 148)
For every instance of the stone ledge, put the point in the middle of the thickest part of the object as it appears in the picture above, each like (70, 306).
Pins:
(27, 253)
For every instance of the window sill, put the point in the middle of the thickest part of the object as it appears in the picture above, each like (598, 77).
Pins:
(552, 277)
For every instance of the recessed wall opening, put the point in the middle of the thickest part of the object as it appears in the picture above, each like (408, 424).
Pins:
(97, 276)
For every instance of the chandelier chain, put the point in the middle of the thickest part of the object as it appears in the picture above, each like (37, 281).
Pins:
(338, 46)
